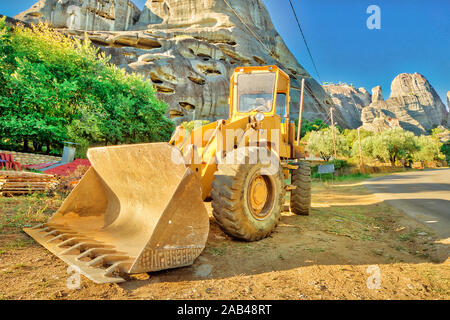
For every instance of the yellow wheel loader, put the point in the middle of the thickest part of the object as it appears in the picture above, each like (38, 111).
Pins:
(140, 208)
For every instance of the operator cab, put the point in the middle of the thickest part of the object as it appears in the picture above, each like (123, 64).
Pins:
(259, 89)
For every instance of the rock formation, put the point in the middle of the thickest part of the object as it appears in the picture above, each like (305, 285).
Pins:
(448, 108)
(349, 101)
(413, 105)
(187, 48)
(413, 101)
(374, 119)
(377, 94)
(102, 15)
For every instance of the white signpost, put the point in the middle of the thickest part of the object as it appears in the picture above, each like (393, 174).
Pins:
(324, 169)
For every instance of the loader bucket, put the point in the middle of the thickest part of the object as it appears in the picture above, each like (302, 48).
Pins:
(137, 209)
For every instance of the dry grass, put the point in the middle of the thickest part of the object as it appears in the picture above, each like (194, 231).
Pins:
(24, 211)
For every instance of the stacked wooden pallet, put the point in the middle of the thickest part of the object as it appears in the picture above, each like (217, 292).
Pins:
(21, 182)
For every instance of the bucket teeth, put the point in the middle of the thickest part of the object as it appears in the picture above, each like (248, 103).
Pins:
(61, 236)
(45, 228)
(106, 258)
(98, 261)
(105, 266)
(95, 251)
(81, 247)
(51, 232)
(69, 241)
(117, 267)
(72, 248)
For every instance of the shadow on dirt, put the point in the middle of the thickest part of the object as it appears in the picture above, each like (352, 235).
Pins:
(327, 237)
(409, 188)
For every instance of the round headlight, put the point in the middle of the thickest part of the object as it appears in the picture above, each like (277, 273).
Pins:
(259, 116)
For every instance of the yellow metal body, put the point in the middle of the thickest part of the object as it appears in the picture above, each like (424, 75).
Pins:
(275, 131)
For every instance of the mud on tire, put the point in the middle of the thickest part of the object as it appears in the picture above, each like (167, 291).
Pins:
(232, 190)
(300, 202)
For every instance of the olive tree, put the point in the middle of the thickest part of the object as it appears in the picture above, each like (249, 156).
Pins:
(429, 149)
(321, 143)
(391, 145)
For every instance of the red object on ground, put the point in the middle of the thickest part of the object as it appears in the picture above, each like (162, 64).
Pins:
(39, 165)
(66, 169)
(8, 162)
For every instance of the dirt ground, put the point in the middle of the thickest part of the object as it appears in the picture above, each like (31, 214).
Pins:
(338, 252)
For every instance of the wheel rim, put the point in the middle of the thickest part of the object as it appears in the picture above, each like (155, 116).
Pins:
(260, 196)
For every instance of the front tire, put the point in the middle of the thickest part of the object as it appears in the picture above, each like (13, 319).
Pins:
(247, 199)
(301, 196)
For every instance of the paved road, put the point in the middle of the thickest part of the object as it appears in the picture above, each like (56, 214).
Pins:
(424, 195)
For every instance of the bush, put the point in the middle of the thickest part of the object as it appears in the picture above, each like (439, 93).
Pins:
(55, 88)
(339, 164)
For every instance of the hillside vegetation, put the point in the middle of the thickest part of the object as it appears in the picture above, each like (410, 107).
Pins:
(391, 145)
(55, 88)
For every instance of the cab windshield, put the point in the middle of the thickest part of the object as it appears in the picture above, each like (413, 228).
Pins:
(255, 92)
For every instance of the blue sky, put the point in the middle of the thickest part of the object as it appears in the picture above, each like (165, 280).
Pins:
(414, 37)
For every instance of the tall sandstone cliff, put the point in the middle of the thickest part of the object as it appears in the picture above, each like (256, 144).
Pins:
(349, 101)
(413, 105)
(187, 48)
(102, 15)
(448, 108)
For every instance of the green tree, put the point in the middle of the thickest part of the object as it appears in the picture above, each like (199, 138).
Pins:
(400, 144)
(54, 88)
(429, 149)
(372, 147)
(351, 135)
(391, 145)
(445, 150)
(321, 143)
(308, 126)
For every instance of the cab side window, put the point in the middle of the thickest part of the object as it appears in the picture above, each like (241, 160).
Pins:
(281, 104)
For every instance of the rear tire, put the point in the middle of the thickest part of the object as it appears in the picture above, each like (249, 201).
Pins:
(246, 201)
(301, 196)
